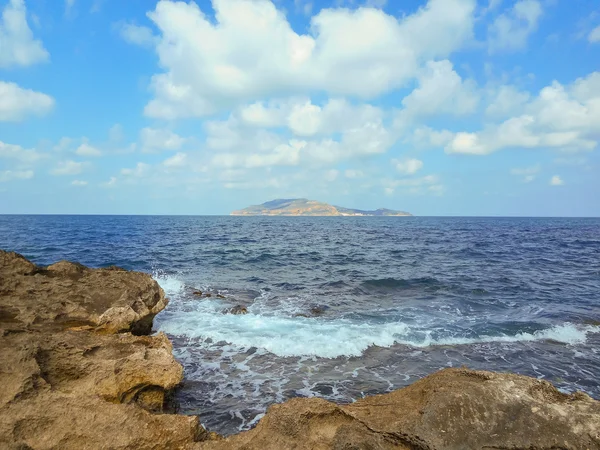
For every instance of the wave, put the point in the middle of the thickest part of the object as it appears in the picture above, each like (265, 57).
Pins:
(399, 283)
(303, 336)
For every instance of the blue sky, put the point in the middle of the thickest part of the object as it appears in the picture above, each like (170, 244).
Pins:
(439, 107)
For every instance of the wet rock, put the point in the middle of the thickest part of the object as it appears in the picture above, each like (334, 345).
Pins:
(318, 310)
(238, 309)
(197, 293)
(220, 296)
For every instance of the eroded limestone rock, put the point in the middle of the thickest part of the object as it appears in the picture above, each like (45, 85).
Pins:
(73, 375)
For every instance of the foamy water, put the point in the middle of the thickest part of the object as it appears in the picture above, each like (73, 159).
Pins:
(204, 321)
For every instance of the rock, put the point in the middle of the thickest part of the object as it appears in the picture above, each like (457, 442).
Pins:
(77, 372)
(238, 309)
(220, 296)
(451, 409)
(197, 293)
(113, 300)
(318, 310)
(73, 375)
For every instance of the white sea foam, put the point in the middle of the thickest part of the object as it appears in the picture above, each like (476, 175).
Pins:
(172, 286)
(300, 336)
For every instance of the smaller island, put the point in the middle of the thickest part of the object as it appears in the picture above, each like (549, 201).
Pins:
(305, 207)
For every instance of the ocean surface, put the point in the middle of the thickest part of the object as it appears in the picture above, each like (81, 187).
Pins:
(343, 307)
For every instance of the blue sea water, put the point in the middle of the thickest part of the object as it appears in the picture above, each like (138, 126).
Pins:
(343, 307)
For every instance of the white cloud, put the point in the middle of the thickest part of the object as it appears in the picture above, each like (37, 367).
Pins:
(111, 183)
(16, 152)
(362, 52)
(177, 160)
(408, 166)
(79, 183)
(138, 171)
(429, 184)
(441, 91)
(306, 119)
(69, 5)
(427, 137)
(238, 145)
(528, 173)
(63, 144)
(594, 35)
(505, 101)
(136, 34)
(556, 181)
(9, 175)
(563, 118)
(17, 103)
(331, 175)
(155, 140)
(510, 31)
(68, 167)
(304, 6)
(19, 48)
(353, 173)
(115, 133)
(86, 149)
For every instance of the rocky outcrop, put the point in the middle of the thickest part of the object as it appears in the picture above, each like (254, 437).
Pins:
(77, 373)
(451, 409)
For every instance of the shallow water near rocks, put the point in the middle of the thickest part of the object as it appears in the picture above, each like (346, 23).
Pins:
(343, 307)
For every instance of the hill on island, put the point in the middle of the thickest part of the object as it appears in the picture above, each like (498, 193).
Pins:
(305, 207)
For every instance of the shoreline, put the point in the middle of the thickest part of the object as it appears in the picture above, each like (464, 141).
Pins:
(83, 372)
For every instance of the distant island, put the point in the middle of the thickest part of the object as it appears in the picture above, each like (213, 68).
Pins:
(304, 207)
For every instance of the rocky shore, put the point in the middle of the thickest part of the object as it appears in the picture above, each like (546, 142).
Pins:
(80, 370)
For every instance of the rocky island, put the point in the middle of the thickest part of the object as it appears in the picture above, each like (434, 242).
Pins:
(304, 207)
(81, 369)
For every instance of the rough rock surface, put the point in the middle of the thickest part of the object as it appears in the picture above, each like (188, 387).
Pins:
(451, 409)
(72, 377)
(76, 373)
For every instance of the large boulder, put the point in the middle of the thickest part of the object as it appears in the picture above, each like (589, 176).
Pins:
(73, 375)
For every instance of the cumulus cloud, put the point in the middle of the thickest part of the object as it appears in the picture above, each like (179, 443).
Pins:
(154, 140)
(429, 184)
(136, 34)
(19, 48)
(528, 173)
(362, 52)
(177, 160)
(17, 103)
(594, 35)
(556, 181)
(9, 175)
(18, 153)
(111, 183)
(353, 173)
(408, 166)
(86, 149)
(138, 171)
(68, 167)
(441, 91)
(510, 31)
(560, 117)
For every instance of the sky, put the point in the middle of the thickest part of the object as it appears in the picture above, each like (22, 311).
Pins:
(439, 107)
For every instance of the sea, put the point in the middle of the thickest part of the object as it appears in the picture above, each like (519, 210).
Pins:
(345, 307)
